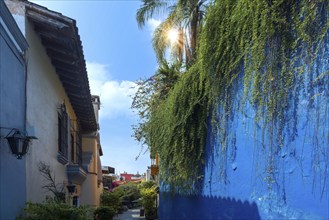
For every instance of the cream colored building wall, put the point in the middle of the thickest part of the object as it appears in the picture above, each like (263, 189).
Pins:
(45, 93)
(89, 189)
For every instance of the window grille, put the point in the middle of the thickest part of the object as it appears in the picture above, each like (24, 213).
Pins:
(63, 131)
(79, 145)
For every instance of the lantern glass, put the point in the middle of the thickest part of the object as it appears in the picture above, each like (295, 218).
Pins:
(19, 144)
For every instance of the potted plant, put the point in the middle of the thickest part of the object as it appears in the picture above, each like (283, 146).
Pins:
(149, 196)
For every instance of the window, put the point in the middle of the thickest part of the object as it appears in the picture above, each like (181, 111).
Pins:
(75, 144)
(63, 132)
(69, 139)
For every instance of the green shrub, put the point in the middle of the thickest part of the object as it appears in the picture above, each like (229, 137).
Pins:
(110, 199)
(147, 184)
(104, 213)
(54, 210)
(149, 196)
(127, 192)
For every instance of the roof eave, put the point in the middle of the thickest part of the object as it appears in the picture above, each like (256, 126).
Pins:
(59, 36)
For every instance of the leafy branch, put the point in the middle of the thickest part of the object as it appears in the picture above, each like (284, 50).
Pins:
(57, 189)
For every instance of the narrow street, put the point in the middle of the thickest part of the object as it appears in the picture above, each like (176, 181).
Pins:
(128, 215)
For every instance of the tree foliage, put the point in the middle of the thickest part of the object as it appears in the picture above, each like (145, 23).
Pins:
(150, 93)
(112, 200)
(127, 192)
(184, 15)
(261, 46)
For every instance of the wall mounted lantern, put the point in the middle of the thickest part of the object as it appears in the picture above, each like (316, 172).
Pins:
(18, 143)
(155, 165)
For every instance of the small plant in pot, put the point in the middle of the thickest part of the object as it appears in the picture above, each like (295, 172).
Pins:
(149, 196)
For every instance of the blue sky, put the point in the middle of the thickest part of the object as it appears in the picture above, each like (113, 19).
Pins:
(117, 53)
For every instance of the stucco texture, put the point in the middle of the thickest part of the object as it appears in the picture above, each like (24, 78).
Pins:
(254, 177)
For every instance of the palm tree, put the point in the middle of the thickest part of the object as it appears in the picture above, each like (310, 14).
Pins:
(184, 15)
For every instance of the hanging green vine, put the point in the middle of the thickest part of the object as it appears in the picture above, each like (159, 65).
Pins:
(260, 45)
(177, 133)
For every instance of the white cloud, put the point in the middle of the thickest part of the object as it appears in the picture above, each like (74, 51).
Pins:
(98, 75)
(116, 97)
(153, 24)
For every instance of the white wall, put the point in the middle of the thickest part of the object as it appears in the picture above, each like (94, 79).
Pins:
(45, 93)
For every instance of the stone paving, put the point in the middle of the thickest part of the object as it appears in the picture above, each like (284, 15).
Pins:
(129, 215)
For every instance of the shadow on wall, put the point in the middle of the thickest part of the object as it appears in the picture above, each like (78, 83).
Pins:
(201, 207)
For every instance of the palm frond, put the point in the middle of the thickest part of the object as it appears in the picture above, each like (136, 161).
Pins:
(160, 36)
(159, 41)
(183, 15)
(148, 9)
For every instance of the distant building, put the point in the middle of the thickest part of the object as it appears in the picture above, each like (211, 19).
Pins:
(148, 174)
(92, 150)
(131, 177)
(106, 170)
(108, 177)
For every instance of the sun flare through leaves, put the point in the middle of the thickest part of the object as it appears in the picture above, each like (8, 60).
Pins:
(172, 36)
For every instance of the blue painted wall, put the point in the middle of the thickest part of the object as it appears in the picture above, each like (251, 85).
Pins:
(205, 207)
(12, 115)
(256, 178)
